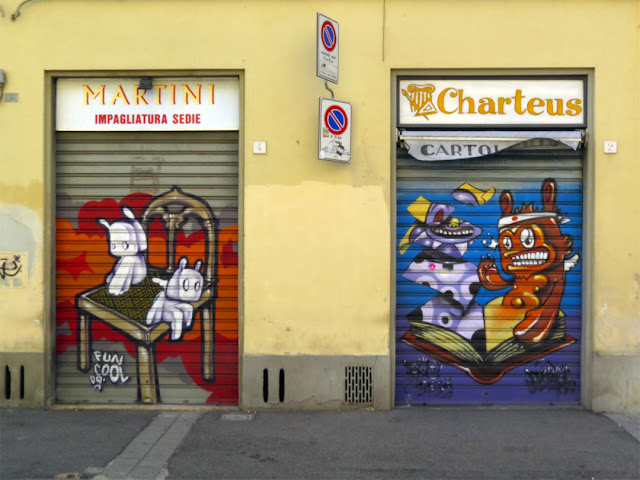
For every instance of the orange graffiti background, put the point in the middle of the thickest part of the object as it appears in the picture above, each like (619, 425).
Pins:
(83, 261)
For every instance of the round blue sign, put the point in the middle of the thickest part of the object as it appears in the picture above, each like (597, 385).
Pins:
(335, 119)
(329, 37)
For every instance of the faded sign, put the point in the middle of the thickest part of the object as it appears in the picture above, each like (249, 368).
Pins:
(457, 145)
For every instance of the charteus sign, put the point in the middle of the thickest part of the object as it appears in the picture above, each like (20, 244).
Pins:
(495, 102)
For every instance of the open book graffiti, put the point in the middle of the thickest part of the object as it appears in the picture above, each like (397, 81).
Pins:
(521, 324)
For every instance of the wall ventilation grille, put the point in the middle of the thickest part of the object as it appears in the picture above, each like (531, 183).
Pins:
(358, 385)
(13, 383)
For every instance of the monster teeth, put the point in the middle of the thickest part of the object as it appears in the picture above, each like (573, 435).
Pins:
(455, 233)
(530, 258)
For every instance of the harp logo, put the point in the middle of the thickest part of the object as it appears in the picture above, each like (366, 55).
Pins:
(421, 99)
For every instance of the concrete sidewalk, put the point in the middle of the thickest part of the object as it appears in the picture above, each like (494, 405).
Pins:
(408, 443)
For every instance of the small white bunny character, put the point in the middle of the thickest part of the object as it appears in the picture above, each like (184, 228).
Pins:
(127, 241)
(171, 304)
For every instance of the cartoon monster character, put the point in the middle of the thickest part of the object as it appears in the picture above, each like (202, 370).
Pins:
(127, 241)
(535, 252)
(436, 228)
(174, 304)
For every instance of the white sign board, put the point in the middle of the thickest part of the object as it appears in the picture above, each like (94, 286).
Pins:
(327, 38)
(334, 140)
(118, 104)
(496, 102)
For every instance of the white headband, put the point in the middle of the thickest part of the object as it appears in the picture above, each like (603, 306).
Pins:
(522, 217)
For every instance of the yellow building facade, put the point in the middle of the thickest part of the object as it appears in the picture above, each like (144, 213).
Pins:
(300, 306)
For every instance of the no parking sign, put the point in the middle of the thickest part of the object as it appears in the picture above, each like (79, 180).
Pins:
(327, 48)
(334, 141)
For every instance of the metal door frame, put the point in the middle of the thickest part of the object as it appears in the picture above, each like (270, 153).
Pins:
(49, 241)
(586, 353)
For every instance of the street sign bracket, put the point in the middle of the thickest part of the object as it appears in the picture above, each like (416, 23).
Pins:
(326, 85)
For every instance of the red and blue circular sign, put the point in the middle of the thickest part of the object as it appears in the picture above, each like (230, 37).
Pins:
(329, 37)
(335, 119)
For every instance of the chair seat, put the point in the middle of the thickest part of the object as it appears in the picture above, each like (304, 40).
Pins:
(126, 312)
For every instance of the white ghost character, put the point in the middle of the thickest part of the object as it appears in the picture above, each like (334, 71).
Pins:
(127, 241)
(174, 304)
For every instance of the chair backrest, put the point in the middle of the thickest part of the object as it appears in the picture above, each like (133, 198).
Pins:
(175, 208)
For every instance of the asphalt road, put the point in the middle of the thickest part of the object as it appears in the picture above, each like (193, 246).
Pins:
(408, 443)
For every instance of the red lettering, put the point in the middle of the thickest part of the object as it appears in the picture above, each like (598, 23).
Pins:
(186, 118)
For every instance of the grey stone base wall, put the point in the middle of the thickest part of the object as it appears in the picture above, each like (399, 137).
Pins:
(319, 382)
(315, 382)
(22, 380)
(616, 383)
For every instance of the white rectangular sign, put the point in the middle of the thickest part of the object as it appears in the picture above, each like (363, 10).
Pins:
(496, 102)
(334, 139)
(327, 49)
(118, 104)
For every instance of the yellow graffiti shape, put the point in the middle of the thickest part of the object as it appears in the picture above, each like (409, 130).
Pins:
(419, 208)
(482, 196)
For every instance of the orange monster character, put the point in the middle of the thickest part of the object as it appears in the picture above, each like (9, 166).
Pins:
(534, 251)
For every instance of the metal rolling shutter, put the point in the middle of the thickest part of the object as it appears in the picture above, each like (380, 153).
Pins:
(123, 332)
(455, 341)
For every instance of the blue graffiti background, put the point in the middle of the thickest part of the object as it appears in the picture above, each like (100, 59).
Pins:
(513, 387)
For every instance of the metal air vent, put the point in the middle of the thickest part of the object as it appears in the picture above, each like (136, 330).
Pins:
(358, 385)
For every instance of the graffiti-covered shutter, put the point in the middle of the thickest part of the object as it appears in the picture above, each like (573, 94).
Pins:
(147, 267)
(488, 278)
